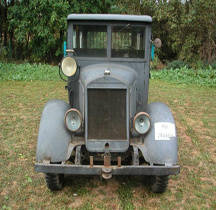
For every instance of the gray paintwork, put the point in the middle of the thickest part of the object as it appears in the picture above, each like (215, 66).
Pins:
(53, 138)
(121, 77)
(97, 170)
(159, 152)
(131, 74)
(141, 66)
(110, 17)
(54, 141)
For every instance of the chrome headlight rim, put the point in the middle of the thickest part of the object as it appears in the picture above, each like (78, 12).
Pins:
(73, 71)
(134, 121)
(80, 116)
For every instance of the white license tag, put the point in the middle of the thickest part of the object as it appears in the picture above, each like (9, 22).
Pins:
(164, 131)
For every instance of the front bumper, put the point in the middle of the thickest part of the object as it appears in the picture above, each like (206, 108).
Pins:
(113, 170)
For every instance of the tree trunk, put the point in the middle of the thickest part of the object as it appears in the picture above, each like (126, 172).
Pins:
(5, 24)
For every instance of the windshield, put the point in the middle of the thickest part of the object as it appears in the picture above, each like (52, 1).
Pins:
(126, 41)
(90, 40)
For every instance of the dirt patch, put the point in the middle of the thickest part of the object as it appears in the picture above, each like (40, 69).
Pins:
(186, 141)
(106, 191)
(77, 202)
(4, 192)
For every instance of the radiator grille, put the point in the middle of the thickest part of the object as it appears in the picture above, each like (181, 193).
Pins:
(107, 114)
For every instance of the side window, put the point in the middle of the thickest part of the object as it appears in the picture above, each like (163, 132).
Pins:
(90, 40)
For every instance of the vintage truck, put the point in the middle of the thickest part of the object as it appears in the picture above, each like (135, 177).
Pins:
(107, 128)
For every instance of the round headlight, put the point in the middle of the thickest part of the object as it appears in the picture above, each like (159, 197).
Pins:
(68, 66)
(142, 123)
(73, 120)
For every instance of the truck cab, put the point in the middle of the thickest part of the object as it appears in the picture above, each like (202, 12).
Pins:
(107, 127)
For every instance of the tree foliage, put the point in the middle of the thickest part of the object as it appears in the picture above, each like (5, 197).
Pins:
(187, 28)
(37, 28)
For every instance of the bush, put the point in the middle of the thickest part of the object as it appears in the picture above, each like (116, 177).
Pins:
(213, 64)
(28, 72)
(156, 64)
(184, 75)
(177, 64)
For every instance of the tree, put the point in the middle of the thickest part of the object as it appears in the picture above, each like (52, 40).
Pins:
(187, 28)
(40, 26)
(37, 28)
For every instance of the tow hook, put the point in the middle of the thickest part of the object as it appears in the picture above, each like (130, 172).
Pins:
(107, 170)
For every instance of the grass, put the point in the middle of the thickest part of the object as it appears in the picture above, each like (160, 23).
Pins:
(28, 72)
(22, 188)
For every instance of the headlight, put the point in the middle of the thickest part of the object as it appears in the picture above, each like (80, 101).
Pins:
(68, 66)
(142, 123)
(73, 120)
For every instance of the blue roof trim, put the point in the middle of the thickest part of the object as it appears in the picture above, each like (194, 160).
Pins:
(115, 17)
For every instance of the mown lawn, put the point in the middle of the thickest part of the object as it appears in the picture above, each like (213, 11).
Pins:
(21, 187)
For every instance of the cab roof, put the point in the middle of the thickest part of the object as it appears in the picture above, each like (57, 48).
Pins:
(110, 17)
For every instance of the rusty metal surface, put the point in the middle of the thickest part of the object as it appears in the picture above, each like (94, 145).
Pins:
(76, 141)
(119, 161)
(107, 114)
(97, 170)
(91, 161)
(106, 173)
(107, 160)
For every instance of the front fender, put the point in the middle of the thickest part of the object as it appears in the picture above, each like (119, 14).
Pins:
(53, 137)
(161, 146)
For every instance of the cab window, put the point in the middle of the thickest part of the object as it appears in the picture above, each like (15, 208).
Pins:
(128, 42)
(90, 40)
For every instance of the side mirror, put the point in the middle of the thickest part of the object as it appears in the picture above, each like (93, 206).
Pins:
(157, 43)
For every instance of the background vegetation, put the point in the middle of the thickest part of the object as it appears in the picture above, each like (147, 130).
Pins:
(44, 72)
(35, 30)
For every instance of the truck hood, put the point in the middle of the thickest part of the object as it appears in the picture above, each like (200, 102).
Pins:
(109, 74)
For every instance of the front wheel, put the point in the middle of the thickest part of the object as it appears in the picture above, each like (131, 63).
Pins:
(159, 184)
(54, 181)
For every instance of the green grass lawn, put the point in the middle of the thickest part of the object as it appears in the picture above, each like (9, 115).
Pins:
(22, 188)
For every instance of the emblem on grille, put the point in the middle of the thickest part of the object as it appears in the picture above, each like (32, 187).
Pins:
(107, 72)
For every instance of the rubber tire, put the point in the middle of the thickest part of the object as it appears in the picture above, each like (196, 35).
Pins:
(159, 183)
(54, 181)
